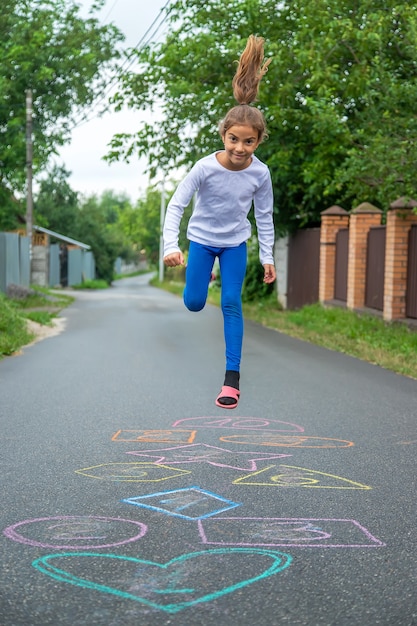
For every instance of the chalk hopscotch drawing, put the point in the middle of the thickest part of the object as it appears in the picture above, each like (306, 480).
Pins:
(285, 441)
(132, 472)
(185, 581)
(191, 503)
(251, 423)
(203, 453)
(155, 436)
(75, 532)
(288, 532)
(292, 476)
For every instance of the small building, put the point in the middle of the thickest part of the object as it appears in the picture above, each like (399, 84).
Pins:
(58, 260)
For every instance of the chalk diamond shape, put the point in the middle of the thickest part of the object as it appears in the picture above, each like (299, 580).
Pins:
(190, 503)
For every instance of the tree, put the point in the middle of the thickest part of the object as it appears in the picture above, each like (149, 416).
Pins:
(56, 204)
(339, 97)
(92, 220)
(67, 61)
(142, 224)
(106, 243)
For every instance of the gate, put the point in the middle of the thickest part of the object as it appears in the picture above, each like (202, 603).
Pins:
(341, 265)
(375, 268)
(411, 298)
(303, 268)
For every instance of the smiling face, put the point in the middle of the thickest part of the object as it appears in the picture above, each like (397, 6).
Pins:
(240, 142)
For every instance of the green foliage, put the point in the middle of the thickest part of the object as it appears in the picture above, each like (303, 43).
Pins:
(141, 225)
(16, 310)
(254, 287)
(339, 97)
(13, 329)
(56, 204)
(91, 220)
(65, 60)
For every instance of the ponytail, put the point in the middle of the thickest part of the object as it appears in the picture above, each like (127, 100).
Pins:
(250, 71)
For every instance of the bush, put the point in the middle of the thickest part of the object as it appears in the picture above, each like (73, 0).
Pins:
(254, 287)
(13, 329)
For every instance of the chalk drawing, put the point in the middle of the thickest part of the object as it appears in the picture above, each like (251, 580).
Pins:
(203, 453)
(75, 532)
(185, 581)
(251, 423)
(190, 503)
(292, 476)
(132, 472)
(155, 436)
(288, 532)
(285, 441)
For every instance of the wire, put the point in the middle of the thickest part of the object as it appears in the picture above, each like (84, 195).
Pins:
(130, 59)
(110, 10)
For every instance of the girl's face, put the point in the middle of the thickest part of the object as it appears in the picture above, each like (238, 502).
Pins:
(240, 142)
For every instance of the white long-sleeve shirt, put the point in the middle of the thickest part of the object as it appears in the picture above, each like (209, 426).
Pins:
(223, 200)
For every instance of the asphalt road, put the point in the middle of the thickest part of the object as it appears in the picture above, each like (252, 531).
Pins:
(130, 498)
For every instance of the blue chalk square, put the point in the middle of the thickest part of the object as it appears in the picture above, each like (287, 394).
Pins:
(190, 503)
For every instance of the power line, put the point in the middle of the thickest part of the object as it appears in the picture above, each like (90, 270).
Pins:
(110, 10)
(130, 59)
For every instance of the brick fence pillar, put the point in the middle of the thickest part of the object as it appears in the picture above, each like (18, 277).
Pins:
(400, 218)
(332, 220)
(361, 220)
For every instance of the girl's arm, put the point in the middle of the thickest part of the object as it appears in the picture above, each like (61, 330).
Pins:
(175, 210)
(264, 205)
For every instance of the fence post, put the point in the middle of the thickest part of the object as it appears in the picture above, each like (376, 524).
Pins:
(332, 220)
(361, 220)
(400, 218)
(281, 262)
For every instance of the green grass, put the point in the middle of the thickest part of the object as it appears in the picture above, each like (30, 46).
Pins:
(13, 329)
(40, 305)
(367, 337)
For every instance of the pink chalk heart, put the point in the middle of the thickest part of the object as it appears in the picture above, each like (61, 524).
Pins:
(182, 582)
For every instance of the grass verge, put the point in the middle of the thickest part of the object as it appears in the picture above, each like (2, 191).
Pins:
(392, 346)
(39, 305)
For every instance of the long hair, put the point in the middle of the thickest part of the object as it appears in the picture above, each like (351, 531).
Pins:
(250, 70)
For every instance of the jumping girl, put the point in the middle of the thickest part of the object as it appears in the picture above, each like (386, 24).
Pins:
(226, 184)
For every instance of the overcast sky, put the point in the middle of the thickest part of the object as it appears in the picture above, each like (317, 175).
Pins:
(83, 155)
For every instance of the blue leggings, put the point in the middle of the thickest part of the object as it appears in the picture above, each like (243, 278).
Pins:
(232, 269)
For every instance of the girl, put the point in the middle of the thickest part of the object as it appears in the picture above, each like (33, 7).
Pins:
(226, 184)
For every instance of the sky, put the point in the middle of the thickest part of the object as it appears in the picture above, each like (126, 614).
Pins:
(83, 154)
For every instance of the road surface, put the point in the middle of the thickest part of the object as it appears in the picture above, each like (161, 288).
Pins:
(130, 498)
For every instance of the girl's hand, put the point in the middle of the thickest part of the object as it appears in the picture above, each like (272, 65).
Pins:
(174, 259)
(269, 273)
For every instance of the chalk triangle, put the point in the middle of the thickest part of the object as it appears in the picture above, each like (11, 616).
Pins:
(293, 476)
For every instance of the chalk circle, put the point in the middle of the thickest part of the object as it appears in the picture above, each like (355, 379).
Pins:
(78, 531)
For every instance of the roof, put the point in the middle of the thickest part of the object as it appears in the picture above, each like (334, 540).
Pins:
(52, 233)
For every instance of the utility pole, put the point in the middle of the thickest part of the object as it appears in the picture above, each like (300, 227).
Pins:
(29, 166)
(161, 239)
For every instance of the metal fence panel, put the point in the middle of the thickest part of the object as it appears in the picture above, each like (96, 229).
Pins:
(375, 268)
(24, 261)
(75, 267)
(54, 265)
(341, 265)
(411, 298)
(303, 268)
(9, 260)
(88, 265)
